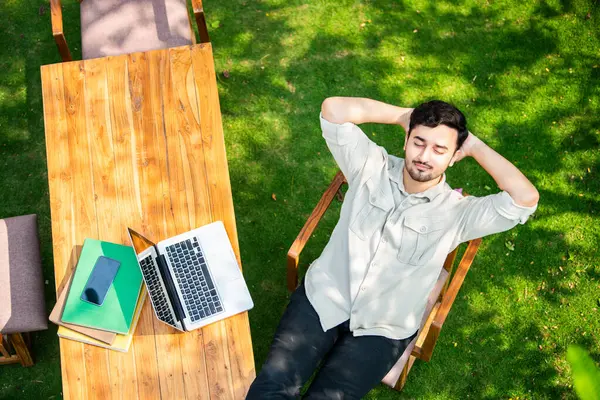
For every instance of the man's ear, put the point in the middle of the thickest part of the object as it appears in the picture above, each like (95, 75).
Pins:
(456, 157)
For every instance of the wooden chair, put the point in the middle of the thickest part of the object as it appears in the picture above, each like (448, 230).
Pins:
(22, 306)
(114, 27)
(440, 299)
(16, 348)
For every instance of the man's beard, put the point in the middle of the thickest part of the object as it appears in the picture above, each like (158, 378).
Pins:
(420, 176)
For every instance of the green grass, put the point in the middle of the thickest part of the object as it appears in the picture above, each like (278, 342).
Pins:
(526, 74)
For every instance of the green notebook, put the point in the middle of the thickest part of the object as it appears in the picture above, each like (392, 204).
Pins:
(116, 313)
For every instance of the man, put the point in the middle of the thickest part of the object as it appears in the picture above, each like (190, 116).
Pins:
(362, 300)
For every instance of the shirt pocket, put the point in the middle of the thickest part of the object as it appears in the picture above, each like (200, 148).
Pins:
(420, 236)
(372, 213)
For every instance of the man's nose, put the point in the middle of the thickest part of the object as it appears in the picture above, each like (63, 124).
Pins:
(424, 155)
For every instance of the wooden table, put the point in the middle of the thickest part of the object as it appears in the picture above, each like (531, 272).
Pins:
(137, 141)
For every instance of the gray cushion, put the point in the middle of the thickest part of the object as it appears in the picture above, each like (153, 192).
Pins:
(392, 376)
(22, 307)
(113, 27)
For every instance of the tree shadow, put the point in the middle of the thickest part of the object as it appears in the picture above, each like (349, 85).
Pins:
(27, 43)
(281, 67)
(280, 165)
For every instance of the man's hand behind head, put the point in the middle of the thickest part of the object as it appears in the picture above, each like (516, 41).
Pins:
(467, 148)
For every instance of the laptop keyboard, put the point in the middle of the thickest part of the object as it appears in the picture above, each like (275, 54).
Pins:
(157, 295)
(195, 281)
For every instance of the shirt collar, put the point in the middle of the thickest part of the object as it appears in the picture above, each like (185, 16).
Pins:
(395, 173)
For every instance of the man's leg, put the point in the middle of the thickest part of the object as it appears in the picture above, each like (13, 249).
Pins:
(298, 346)
(355, 365)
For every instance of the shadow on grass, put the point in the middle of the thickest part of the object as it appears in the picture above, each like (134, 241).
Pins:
(26, 43)
(487, 58)
(283, 60)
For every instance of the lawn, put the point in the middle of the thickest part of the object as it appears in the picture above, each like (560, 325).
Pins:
(526, 75)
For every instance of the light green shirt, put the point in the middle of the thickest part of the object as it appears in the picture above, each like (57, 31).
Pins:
(388, 247)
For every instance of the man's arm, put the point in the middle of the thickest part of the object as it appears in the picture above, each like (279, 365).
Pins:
(361, 110)
(348, 144)
(507, 176)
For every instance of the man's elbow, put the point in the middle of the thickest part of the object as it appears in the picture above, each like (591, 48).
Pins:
(528, 199)
(330, 109)
(339, 110)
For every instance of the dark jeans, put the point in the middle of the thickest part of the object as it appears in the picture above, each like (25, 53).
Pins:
(351, 365)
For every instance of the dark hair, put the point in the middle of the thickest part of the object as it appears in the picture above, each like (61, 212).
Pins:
(437, 112)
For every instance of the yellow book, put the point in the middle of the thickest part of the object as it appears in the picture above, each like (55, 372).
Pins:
(121, 342)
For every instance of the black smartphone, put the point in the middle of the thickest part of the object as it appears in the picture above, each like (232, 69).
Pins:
(100, 279)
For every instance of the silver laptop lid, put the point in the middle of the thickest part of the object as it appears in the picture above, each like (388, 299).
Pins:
(210, 245)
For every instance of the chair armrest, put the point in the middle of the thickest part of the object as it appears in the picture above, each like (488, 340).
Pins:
(426, 350)
(417, 350)
(293, 255)
(200, 21)
(57, 30)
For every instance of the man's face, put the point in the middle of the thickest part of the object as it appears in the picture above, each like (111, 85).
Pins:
(428, 151)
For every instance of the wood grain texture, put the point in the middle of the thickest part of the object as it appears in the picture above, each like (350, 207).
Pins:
(293, 256)
(4, 348)
(60, 176)
(56, 16)
(124, 204)
(5, 351)
(219, 375)
(186, 133)
(457, 280)
(177, 221)
(200, 21)
(84, 214)
(57, 30)
(136, 141)
(404, 375)
(148, 126)
(99, 133)
(241, 356)
(21, 349)
(448, 266)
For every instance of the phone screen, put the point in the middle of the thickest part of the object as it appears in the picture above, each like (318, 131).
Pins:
(100, 279)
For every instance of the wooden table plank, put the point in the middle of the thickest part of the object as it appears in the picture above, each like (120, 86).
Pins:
(167, 346)
(185, 131)
(195, 181)
(100, 103)
(217, 355)
(137, 141)
(147, 120)
(61, 199)
(102, 196)
(128, 211)
(154, 224)
(98, 130)
(84, 209)
(240, 346)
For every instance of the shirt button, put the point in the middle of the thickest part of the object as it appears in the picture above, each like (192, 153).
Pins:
(423, 229)
(363, 288)
(383, 240)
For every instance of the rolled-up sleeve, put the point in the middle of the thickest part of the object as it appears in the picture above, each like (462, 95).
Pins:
(491, 214)
(506, 206)
(348, 144)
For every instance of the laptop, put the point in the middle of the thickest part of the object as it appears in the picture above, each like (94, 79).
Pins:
(193, 279)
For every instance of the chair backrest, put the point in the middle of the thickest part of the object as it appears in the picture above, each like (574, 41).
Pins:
(114, 27)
